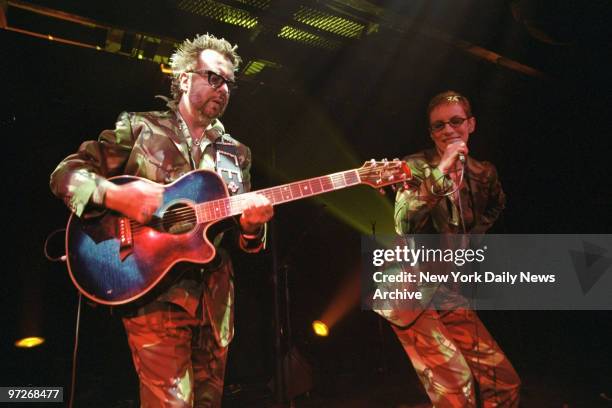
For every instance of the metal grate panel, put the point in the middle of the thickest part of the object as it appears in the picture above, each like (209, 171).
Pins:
(254, 67)
(260, 4)
(328, 22)
(314, 40)
(218, 11)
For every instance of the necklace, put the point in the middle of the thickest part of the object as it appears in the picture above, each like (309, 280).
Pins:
(191, 141)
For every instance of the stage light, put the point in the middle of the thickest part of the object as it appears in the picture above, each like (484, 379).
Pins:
(29, 342)
(320, 328)
(345, 300)
(165, 69)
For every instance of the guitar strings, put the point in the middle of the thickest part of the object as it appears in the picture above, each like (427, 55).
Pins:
(190, 214)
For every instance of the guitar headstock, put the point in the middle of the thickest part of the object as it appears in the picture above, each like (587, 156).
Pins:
(383, 173)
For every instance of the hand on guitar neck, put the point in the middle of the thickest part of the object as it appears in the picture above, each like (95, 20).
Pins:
(258, 211)
(137, 200)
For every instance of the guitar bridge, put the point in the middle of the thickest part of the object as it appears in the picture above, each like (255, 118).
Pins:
(125, 238)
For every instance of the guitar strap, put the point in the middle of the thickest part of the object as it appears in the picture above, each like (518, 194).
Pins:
(228, 166)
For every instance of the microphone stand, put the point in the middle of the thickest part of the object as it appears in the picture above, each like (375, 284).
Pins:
(280, 278)
(383, 355)
(279, 374)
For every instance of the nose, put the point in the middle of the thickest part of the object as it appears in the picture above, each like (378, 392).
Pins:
(224, 88)
(447, 128)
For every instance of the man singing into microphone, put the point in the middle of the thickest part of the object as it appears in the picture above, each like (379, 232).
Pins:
(448, 345)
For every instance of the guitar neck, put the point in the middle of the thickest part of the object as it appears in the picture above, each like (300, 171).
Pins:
(226, 207)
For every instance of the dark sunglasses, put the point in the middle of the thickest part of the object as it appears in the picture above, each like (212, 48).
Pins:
(455, 122)
(215, 80)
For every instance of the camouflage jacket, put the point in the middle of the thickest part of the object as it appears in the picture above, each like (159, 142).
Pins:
(419, 209)
(157, 146)
(423, 208)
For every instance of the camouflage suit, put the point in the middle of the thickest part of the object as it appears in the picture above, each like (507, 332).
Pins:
(448, 345)
(178, 340)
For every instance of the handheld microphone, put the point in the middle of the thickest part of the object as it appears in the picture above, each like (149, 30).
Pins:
(460, 155)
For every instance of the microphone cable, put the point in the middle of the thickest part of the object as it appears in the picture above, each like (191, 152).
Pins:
(475, 286)
(61, 258)
(74, 352)
(448, 191)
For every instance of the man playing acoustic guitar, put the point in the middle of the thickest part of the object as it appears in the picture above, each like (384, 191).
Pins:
(179, 339)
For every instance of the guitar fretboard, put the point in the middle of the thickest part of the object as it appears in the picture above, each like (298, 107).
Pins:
(215, 210)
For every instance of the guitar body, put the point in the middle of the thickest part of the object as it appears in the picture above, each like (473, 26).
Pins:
(113, 260)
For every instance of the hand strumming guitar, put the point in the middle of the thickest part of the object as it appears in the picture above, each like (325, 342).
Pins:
(137, 200)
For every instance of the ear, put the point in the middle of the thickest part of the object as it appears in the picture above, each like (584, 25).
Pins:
(471, 124)
(184, 82)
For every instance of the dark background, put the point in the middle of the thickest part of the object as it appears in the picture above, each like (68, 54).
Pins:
(549, 138)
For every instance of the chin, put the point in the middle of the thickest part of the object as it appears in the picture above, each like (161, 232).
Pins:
(215, 113)
(211, 114)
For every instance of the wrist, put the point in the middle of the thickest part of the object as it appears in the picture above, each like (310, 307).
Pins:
(253, 242)
(439, 173)
(253, 233)
(249, 228)
(110, 195)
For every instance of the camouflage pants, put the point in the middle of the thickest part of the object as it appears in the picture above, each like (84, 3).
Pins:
(450, 351)
(177, 359)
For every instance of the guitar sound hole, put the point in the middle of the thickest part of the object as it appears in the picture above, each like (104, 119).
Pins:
(179, 219)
